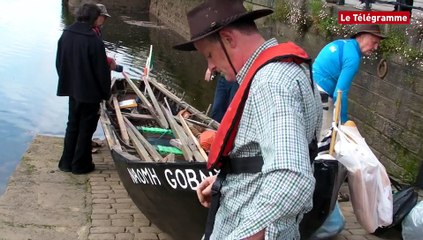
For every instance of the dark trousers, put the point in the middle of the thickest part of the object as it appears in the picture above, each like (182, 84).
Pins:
(223, 95)
(82, 123)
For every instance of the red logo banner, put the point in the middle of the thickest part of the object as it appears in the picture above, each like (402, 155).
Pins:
(373, 17)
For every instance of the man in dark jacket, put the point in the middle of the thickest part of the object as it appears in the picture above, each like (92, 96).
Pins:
(84, 76)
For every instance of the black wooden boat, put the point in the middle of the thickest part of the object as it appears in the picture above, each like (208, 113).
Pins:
(161, 184)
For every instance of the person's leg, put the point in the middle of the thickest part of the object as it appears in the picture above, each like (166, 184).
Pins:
(368, 5)
(220, 100)
(328, 110)
(233, 87)
(332, 226)
(82, 161)
(71, 136)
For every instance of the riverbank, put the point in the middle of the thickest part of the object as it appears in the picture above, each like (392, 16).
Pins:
(41, 202)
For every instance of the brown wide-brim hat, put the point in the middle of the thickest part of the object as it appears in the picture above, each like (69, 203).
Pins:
(213, 15)
(368, 28)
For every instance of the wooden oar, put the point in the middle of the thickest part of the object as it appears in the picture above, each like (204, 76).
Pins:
(123, 131)
(337, 113)
(138, 116)
(107, 128)
(139, 147)
(202, 156)
(208, 109)
(183, 104)
(144, 100)
(147, 145)
(188, 155)
(185, 132)
(161, 118)
(113, 82)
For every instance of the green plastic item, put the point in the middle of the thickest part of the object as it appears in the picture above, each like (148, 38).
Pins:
(155, 130)
(168, 149)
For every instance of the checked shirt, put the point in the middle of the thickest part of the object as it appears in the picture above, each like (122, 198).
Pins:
(280, 118)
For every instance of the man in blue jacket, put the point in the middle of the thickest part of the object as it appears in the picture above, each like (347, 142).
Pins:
(337, 64)
(84, 77)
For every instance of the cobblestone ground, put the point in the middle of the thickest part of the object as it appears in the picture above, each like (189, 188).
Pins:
(114, 215)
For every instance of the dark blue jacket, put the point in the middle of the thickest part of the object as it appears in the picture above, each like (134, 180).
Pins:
(81, 65)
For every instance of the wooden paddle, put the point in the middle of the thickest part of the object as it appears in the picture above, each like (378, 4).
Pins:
(107, 128)
(183, 104)
(144, 100)
(138, 146)
(161, 118)
(202, 156)
(138, 116)
(123, 131)
(144, 142)
(147, 145)
(178, 132)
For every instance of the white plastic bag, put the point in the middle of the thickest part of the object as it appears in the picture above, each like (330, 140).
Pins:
(368, 181)
(412, 225)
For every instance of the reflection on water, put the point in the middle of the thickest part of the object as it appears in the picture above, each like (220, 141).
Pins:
(28, 101)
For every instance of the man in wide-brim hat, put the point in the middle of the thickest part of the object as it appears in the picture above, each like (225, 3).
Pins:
(281, 115)
(368, 37)
(337, 64)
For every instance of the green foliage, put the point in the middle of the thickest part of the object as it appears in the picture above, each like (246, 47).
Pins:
(315, 7)
(393, 43)
(396, 44)
(282, 9)
(323, 21)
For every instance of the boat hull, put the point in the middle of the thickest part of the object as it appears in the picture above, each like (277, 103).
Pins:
(165, 194)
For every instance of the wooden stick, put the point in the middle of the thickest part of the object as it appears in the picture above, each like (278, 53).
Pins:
(145, 101)
(202, 154)
(185, 131)
(208, 109)
(191, 109)
(214, 123)
(138, 116)
(123, 131)
(188, 155)
(139, 147)
(337, 113)
(162, 120)
(113, 82)
(111, 138)
(150, 148)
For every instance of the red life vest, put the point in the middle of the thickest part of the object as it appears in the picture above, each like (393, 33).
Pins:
(225, 136)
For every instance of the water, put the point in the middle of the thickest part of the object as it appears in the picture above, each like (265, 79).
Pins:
(28, 101)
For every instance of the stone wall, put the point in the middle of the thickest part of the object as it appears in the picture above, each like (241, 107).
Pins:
(173, 13)
(130, 5)
(388, 112)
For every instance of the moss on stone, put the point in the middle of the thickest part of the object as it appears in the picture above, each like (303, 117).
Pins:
(408, 161)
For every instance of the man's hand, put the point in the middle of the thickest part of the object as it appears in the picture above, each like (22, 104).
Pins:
(112, 63)
(204, 192)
